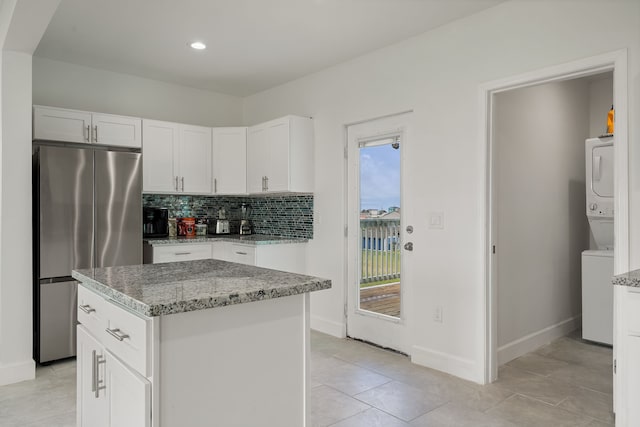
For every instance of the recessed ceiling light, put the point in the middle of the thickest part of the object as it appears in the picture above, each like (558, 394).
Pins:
(198, 45)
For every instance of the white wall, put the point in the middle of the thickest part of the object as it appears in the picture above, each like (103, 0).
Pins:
(22, 24)
(437, 74)
(61, 84)
(16, 361)
(542, 229)
(600, 102)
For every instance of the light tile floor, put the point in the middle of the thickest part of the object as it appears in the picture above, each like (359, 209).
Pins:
(565, 383)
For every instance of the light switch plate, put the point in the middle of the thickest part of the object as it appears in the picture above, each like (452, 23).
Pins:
(436, 220)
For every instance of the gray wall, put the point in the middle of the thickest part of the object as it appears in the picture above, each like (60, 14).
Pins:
(600, 102)
(542, 228)
(59, 84)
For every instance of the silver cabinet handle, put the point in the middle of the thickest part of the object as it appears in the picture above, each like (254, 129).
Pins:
(266, 183)
(96, 382)
(241, 253)
(88, 133)
(215, 185)
(176, 183)
(183, 253)
(183, 183)
(263, 182)
(117, 334)
(95, 133)
(87, 308)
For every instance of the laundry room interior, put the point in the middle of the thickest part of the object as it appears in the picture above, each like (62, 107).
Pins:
(552, 179)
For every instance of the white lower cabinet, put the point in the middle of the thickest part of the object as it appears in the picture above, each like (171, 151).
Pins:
(288, 257)
(282, 256)
(109, 393)
(179, 252)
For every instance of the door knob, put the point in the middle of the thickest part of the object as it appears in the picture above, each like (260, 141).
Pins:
(408, 246)
(409, 229)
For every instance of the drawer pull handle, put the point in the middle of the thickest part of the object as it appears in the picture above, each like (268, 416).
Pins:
(241, 253)
(87, 308)
(117, 334)
(183, 253)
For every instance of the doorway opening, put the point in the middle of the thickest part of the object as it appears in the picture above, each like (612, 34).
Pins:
(376, 280)
(615, 64)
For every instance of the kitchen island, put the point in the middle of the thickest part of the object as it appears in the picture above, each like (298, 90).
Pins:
(193, 343)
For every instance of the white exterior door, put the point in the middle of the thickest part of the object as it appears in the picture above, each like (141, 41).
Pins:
(377, 282)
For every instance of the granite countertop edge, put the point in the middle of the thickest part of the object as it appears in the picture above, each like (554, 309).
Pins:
(251, 239)
(630, 279)
(310, 284)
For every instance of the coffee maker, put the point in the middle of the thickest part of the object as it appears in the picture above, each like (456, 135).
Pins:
(245, 223)
(155, 222)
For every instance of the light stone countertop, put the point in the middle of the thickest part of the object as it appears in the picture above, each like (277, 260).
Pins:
(631, 279)
(176, 287)
(249, 239)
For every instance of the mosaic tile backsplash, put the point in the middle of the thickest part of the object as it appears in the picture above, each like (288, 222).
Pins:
(287, 215)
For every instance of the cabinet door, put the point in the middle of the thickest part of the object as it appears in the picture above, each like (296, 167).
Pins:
(221, 251)
(58, 124)
(128, 394)
(278, 155)
(159, 148)
(116, 130)
(194, 160)
(92, 411)
(229, 160)
(257, 158)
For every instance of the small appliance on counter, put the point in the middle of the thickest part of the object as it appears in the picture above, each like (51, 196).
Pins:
(222, 223)
(155, 222)
(186, 227)
(245, 223)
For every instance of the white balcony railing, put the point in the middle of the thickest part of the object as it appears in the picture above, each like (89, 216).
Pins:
(380, 249)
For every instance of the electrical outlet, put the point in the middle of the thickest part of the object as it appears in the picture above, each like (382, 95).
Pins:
(437, 314)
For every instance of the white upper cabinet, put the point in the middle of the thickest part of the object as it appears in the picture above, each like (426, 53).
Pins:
(160, 147)
(194, 160)
(116, 130)
(60, 124)
(229, 160)
(176, 158)
(280, 156)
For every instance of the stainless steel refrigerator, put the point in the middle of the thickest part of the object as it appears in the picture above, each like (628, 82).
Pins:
(87, 213)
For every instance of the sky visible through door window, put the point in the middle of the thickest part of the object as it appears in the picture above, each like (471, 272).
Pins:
(379, 177)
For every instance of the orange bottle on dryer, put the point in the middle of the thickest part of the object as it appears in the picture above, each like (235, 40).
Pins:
(610, 120)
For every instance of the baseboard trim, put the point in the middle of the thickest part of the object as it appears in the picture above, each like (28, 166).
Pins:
(445, 362)
(528, 343)
(328, 327)
(16, 372)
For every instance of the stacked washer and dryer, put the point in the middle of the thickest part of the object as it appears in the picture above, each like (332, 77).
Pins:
(597, 263)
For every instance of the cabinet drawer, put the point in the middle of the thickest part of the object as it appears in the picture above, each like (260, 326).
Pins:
(128, 337)
(632, 310)
(243, 254)
(182, 252)
(92, 311)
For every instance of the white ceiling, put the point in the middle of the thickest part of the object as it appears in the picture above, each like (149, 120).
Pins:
(252, 45)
